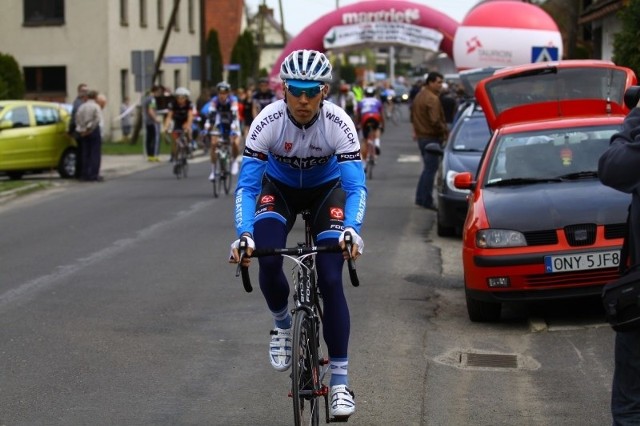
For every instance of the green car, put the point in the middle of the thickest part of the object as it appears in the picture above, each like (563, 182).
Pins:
(33, 139)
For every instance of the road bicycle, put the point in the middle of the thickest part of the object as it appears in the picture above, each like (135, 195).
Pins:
(370, 156)
(183, 150)
(223, 177)
(309, 366)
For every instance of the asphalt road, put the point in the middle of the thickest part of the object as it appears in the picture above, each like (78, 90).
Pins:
(118, 307)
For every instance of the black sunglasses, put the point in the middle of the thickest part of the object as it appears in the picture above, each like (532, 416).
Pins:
(311, 92)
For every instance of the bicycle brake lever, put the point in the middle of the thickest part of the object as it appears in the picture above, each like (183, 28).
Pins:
(351, 264)
(243, 270)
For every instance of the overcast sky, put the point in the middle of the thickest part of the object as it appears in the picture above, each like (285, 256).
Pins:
(300, 13)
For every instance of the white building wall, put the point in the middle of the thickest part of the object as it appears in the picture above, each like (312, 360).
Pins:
(611, 25)
(94, 46)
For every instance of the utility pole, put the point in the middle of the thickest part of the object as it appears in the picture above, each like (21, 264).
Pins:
(203, 46)
(165, 40)
(156, 70)
(262, 9)
(284, 33)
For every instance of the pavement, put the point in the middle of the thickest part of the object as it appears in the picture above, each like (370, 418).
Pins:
(111, 167)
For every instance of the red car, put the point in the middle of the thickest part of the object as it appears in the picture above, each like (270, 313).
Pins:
(540, 225)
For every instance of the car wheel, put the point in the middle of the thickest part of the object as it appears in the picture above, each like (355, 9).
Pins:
(15, 175)
(67, 164)
(444, 231)
(481, 311)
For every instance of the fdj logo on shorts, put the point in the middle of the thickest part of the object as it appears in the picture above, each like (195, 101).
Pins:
(336, 213)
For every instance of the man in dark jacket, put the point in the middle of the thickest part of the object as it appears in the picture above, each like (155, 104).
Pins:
(619, 168)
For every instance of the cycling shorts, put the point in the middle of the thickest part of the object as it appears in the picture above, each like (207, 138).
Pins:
(284, 203)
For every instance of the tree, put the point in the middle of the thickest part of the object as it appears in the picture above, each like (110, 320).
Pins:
(626, 50)
(11, 81)
(214, 54)
(244, 53)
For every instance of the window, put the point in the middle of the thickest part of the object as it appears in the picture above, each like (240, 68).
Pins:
(43, 12)
(45, 79)
(124, 83)
(124, 13)
(177, 79)
(45, 115)
(143, 13)
(192, 27)
(160, 14)
(19, 116)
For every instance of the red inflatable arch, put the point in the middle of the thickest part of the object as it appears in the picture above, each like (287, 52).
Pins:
(371, 11)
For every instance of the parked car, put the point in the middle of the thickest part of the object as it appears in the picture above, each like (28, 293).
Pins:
(401, 93)
(33, 138)
(540, 225)
(462, 152)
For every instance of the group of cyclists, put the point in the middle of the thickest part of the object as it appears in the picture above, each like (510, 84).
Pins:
(223, 116)
(228, 114)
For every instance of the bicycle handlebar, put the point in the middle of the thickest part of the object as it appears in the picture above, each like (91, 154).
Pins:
(294, 251)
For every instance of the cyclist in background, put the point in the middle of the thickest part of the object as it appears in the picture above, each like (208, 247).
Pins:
(262, 97)
(370, 110)
(179, 118)
(347, 101)
(222, 115)
(303, 153)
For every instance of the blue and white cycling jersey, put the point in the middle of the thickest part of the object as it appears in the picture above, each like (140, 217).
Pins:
(214, 109)
(298, 156)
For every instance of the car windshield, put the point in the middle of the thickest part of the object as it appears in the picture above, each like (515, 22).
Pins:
(471, 134)
(550, 155)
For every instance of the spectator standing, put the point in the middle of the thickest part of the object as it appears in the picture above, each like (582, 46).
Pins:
(152, 124)
(88, 119)
(618, 168)
(449, 104)
(262, 97)
(247, 108)
(81, 97)
(126, 115)
(429, 125)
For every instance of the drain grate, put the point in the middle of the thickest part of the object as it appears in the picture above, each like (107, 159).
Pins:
(472, 359)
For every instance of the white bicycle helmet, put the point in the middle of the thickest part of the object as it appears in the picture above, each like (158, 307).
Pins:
(306, 65)
(181, 91)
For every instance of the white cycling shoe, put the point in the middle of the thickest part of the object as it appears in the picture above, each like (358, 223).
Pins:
(342, 402)
(280, 348)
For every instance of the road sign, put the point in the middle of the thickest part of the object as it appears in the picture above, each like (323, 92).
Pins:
(175, 59)
(544, 54)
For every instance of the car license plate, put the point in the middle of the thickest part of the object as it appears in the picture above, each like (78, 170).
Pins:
(582, 261)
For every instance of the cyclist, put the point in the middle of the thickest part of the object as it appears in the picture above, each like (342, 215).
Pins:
(222, 114)
(179, 118)
(262, 97)
(303, 153)
(347, 100)
(370, 118)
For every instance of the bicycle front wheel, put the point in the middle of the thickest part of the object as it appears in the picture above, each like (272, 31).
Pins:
(223, 170)
(305, 376)
(227, 182)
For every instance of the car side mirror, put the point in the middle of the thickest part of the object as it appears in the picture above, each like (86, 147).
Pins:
(463, 180)
(434, 148)
(6, 124)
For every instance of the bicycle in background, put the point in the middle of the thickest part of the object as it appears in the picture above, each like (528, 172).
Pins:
(223, 177)
(369, 148)
(309, 366)
(182, 153)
